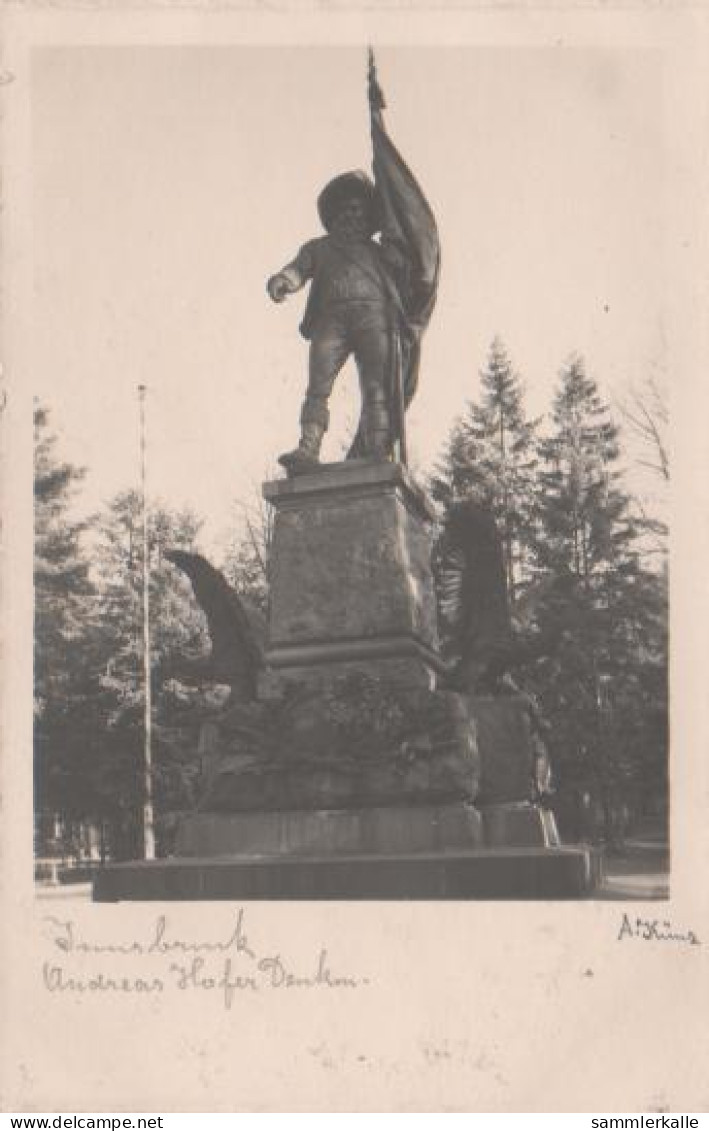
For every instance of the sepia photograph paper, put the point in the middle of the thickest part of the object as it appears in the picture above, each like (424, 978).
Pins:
(353, 535)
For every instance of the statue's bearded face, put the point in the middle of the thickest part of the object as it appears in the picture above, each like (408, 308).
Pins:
(352, 219)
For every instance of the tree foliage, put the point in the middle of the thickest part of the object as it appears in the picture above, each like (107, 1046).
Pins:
(572, 539)
(176, 626)
(60, 566)
(89, 682)
(247, 552)
(604, 689)
(63, 594)
(491, 455)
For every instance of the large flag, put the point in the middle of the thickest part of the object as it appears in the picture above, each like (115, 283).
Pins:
(410, 250)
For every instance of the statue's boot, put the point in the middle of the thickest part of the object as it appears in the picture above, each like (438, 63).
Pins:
(306, 456)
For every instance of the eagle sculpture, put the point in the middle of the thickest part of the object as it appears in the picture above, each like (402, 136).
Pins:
(236, 629)
(480, 638)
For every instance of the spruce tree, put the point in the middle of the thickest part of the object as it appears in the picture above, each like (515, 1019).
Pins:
(62, 601)
(60, 566)
(89, 686)
(491, 455)
(602, 605)
(583, 509)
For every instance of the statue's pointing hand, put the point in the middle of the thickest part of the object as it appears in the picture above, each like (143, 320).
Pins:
(277, 287)
(284, 283)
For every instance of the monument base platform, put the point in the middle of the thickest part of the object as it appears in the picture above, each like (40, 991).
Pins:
(376, 830)
(520, 824)
(489, 874)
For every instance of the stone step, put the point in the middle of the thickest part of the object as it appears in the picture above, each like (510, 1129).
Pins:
(512, 873)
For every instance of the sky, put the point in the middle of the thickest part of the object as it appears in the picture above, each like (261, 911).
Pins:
(169, 182)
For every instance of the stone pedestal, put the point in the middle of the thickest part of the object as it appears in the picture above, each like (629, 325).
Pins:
(504, 747)
(511, 818)
(356, 775)
(365, 831)
(519, 824)
(351, 585)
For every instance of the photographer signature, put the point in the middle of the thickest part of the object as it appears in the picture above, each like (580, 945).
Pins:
(654, 930)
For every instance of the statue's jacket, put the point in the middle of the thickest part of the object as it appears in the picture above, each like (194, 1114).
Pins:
(361, 271)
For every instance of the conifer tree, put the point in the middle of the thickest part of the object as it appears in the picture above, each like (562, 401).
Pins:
(602, 604)
(89, 690)
(60, 566)
(491, 454)
(583, 509)
(62, 596)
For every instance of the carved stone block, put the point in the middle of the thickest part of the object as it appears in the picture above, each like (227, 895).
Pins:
(351, 578)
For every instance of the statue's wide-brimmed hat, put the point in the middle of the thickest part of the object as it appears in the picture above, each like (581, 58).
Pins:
(344, 187)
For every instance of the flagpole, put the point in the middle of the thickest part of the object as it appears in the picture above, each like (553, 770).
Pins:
(397, 405)
(148, 825)
(400, 403)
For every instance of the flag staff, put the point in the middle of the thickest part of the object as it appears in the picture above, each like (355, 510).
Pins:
(377, 104)
(148, 826)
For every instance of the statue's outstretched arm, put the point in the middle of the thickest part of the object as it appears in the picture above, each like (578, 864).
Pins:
(293, 276)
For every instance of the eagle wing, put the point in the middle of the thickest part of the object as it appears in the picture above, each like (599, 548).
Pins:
(236, 631)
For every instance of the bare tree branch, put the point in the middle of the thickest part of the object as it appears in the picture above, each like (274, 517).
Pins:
(645, 412)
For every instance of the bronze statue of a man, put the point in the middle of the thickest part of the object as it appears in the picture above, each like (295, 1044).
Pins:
(373, 283)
